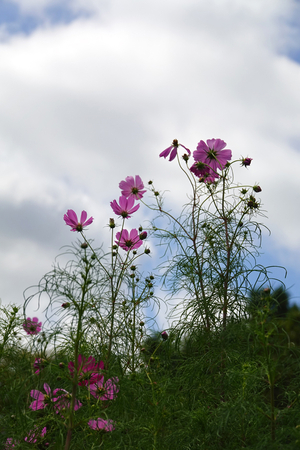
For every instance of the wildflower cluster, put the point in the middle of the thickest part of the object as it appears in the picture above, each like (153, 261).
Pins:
(103, 304)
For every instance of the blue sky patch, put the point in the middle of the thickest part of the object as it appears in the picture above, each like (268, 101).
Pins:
(16, 22)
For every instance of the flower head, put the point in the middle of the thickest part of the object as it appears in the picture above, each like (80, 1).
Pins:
(108, 391)
(173, 150)
(132, 187)
(128, 241)
(31, 438)
(125, 206)
(246, 162)
(88, 370)
(63, 401)
(10, 443)
(212, 153)
(71, 219)
(32, 326)
(101, 424)
(204, 172)
(39, 364)
(41, 400)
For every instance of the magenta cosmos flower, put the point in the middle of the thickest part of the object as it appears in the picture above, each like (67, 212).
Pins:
(32, 326)
(101, 424)
(129, 241)
(132, 187)
(41, 400)
(204, 172)
(173, 150)
(213, 153)
(125, 207)
(88, 370)
(64, 401)
(31, 438)
(39, 364)
(71, 219)
(10, 443)
(108, 391)
(60, 402)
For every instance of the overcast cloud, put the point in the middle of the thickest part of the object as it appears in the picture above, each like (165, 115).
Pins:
(92, 92)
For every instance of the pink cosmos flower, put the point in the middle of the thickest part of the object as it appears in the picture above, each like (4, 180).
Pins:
(107, 392)
(41, 400)
(213, 153)
(173, 150)
(125, 208)
(39, 364)
(88, 370)
(32, 326)
(128, 241)
(132, 187)
(71, 219)
(31, 437)
(60, 402)
(101, 424)
(10, 443)
(204, 172)
(64, 401)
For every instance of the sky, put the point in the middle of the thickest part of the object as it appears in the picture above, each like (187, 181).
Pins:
(93, 90)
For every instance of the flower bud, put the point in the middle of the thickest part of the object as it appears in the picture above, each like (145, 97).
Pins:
(246, 162)
(84, 245)
(142, 323)
(143, 235)
(164, 335)
(147, 251)
(66, 305)
(150, 182)
(140, 228)
(61, 365)
(257, 189)
(185, 157)
(112, 223)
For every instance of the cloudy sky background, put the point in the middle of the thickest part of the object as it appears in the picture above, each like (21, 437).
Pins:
(93, 90)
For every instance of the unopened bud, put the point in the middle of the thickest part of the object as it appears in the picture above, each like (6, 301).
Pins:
(65, 305)
(112, 223)
(143, 235)
(84, 245)
(246, 162)
(164, 335)
(257, 189)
